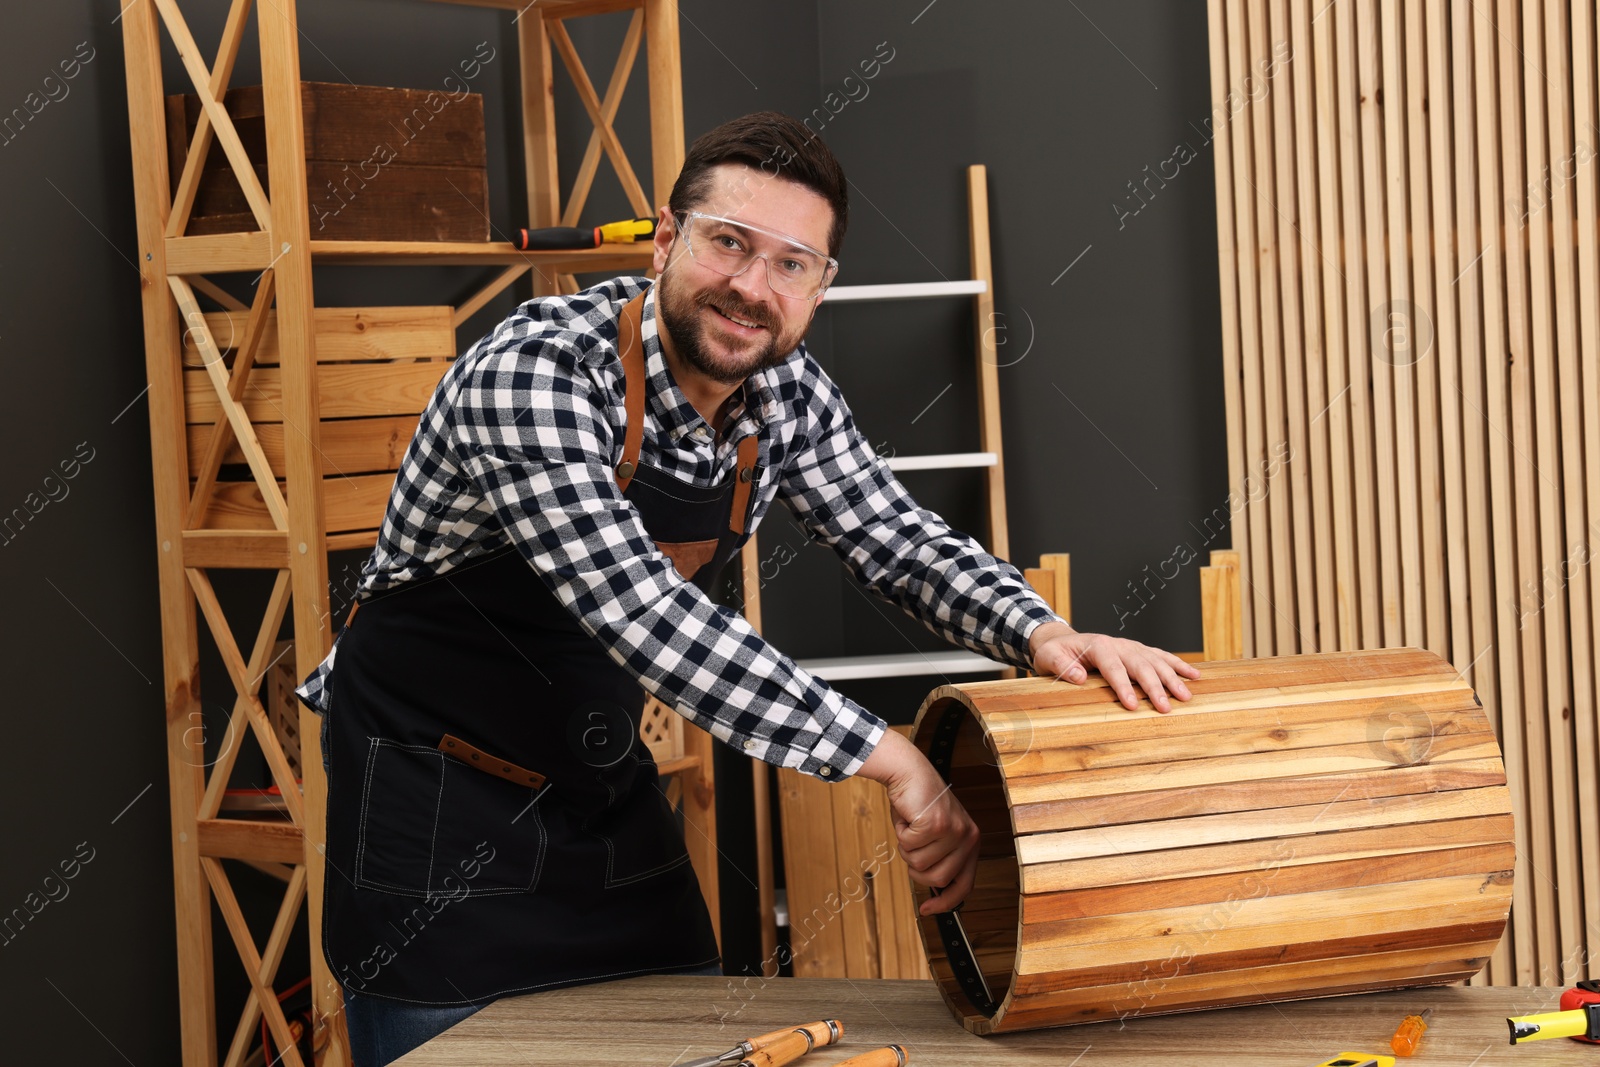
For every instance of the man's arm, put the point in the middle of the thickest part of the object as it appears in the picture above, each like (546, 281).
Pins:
(848, 498)
(532, 441)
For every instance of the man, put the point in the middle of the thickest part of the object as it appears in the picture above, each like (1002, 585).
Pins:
(577, 481)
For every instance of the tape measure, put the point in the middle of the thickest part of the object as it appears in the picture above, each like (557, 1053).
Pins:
(1582, 995)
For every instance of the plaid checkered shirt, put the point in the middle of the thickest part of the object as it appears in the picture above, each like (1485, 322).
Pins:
(518, 445)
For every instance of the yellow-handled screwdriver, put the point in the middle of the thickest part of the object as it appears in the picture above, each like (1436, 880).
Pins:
(1409, 1035)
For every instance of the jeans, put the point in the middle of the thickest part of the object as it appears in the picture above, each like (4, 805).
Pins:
(381, 1031)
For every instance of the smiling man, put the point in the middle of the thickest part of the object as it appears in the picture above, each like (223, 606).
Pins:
(577, 482)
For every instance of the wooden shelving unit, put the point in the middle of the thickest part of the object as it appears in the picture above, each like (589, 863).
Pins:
(289, 391)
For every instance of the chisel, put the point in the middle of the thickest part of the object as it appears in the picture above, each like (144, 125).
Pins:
(887, 1056)
(814, 1035)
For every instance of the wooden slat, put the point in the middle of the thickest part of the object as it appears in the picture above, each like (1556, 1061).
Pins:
(219, 253)
(347, 446)
(353, 503)
(1221, 124)
(348, 390)
(1569, 672)
(344, 334)
(988, 368)
(1354, 89)
(1280, 600)
(1586, 117)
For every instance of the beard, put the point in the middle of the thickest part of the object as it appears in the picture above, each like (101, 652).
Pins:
(680, 311)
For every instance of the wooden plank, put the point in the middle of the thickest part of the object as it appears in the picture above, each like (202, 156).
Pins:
(1407, 730)
(206, 549)
(1568, 672)
(1236, 856)
(1291, 246)
(348, 446)
(1280, 600)
(1523, 353)
(1061, 563)
(1318, 629)
(664, 66)
(1156, 804)
(271, 842)
(1055, 847)
(1354, 87)
(1428, 587)
(1237, 886)
(811, 869)
(348, 390)
(988, 362)
(1387, 222)
(1260, 923)
(1494, 263)
(1228, 275)
(179, 633)
(343, 334)
(851, 807)
(1258, 581)
(1586, 116)
(1043, 581)
(349, 503)
(1249, 920)
(285, 132)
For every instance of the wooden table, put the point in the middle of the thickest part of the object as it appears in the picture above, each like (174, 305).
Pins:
(658, 1021)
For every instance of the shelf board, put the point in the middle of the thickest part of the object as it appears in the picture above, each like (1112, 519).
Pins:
(948, 461)
(635, 256)
(903, 291)
(901, 665)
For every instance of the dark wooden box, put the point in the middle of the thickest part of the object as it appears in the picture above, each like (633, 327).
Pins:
(382, 164)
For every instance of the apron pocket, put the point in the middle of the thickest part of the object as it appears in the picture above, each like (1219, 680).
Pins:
(433, 826)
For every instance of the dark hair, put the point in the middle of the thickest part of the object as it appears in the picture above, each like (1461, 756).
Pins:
(777, 146)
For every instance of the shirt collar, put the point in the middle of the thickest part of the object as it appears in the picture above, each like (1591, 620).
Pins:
(676, 415)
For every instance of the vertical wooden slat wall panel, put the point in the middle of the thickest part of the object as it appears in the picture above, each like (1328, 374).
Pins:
(1586, 194)
(1408, 203)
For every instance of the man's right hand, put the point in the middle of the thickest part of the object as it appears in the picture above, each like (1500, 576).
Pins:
(936, 836)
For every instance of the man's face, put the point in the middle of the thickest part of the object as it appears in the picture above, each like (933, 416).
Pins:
(698, 306)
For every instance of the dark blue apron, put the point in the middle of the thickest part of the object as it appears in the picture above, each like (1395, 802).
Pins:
(495, 824)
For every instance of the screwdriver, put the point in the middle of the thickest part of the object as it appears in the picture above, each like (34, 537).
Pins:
(551, 238)
(811, 1035)
(1409, 1036)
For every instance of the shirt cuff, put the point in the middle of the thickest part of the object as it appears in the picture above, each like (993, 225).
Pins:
(1017, 626)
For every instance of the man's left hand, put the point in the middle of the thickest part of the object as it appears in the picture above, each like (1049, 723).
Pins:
(1062, 652)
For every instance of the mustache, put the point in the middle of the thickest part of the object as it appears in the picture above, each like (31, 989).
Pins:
(740, 310)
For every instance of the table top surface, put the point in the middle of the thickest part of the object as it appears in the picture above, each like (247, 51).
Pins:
(659, 1021)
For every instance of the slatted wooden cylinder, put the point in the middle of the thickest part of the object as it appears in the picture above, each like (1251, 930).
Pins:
(1305, 826)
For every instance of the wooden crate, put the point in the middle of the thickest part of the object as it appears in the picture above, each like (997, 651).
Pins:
(381, 164)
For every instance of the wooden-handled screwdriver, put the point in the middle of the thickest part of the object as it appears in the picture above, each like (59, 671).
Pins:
(806, 1038)
(887, 1056)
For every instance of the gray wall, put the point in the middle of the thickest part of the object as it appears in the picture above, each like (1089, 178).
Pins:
(1111, 387)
